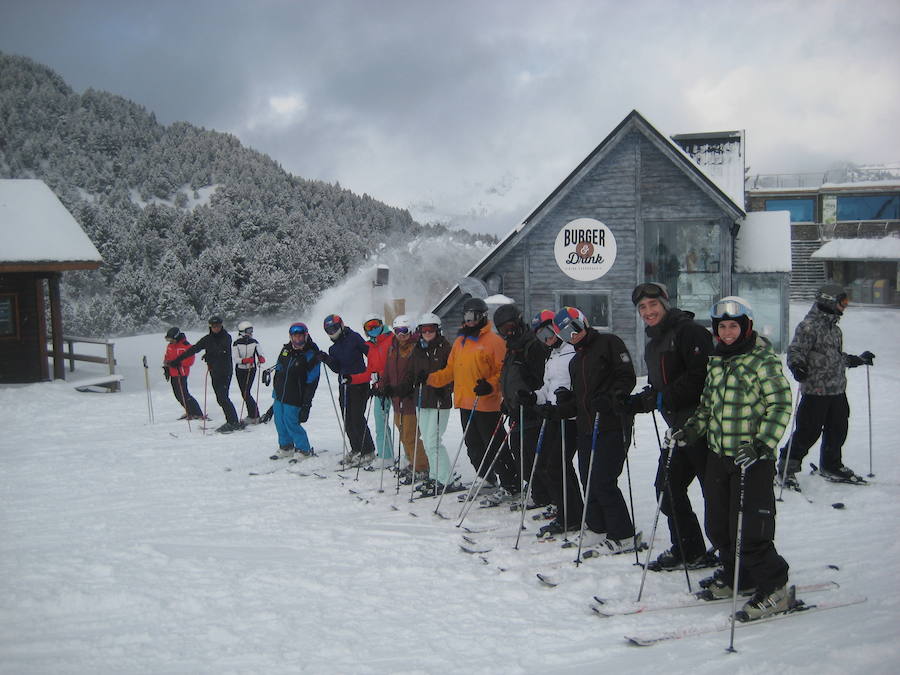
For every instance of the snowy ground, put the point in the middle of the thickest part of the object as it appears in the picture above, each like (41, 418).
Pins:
(129, 547)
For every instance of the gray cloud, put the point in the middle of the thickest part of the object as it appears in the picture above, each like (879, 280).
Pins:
(473, 111)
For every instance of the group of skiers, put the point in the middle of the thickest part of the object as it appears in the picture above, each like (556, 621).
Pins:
(533, 395)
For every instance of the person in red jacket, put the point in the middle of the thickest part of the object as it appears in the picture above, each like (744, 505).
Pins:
(379, 338)
(178, 375)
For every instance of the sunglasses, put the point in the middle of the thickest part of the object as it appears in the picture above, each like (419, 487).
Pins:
(545, 333)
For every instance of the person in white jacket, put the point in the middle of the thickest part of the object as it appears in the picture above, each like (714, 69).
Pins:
(245, 353)
(559, 446)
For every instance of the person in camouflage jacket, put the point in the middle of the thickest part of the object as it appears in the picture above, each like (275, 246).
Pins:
(744, 410)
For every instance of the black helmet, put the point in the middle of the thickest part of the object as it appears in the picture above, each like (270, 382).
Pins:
(650, 289)
(172, 333)
(507, 313)
(475, 305)
(215, 318)
(829, 297)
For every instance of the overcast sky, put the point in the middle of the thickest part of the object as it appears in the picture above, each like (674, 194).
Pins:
(472, 112)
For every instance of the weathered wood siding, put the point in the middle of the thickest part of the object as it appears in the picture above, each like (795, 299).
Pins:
(21, 358)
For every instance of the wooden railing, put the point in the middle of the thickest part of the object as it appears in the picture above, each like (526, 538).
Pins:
(112, 382)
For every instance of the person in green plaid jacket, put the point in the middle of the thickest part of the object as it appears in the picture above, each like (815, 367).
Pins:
(744, 411)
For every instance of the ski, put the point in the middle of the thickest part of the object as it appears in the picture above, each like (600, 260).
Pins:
(651, 638)
(855, 480)
(605, 609)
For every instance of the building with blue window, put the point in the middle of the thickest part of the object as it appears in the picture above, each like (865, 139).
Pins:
(845, 226)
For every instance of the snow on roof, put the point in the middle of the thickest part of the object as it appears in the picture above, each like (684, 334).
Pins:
(764, 242)
(885, 248)
(36, 227)
(721, 157)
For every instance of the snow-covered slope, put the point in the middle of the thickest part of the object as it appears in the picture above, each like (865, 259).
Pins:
(131, 547)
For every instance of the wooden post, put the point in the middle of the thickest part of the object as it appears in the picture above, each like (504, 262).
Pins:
(59, 363)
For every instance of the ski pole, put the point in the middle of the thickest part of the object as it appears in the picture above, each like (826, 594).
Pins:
(205, 388)
(587, 489)
(386, 436)
(479, 480)
(527, 492)
(467, 506)
(399, 446)
(737, 557)
(456, 457)
(187, 415)
(565, 476)
(787, 452)
(416, 441)
(659, 499)
(521, 445)
(336, 413)
(869, 396)
(149, 397)
(627, 443)
(363, 432)
(667, 486)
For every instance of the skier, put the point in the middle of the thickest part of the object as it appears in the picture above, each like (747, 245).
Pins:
(521, 374)
(294, 385)
(217, 347)
(178, 375)
(744, 411)
(430, 354)
(347, 357)
(246, 354)
(404, 399)
(676, 357)
(379, 338)
(557, 471)
(474, 369)
(817, 361)
(602, 377)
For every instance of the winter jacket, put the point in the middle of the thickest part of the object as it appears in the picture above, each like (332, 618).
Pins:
(556, 373)
(522, 370)
(217, 348)
(746, 397)
(246, 354)
(428, 357)
(296, 375)
(396, 369)
(378, 349)
(175, 349)
(602, 375)
(676, 358)
(472, 359)
(818, 345)
(347, 356)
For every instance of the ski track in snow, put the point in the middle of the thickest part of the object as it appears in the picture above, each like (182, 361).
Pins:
(128, 548)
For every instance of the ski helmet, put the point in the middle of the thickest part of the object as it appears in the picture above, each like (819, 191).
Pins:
(298, 328)
(172, 333)
(215, 319)
(569, 321)
(401, 324)
(508, 320)
(830, 297)
(543, 326)
(475, 309)
(333, 324)
(734, 308)
(650, 289)
(245, 327)
(371, 322)
(429, 319)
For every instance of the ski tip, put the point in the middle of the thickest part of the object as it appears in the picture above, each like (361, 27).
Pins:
(546, 580)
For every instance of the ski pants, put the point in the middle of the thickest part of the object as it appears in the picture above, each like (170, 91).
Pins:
(482, 444)
(557, 470)
(183, 396)
(825, 416)
(432, 425)
(408, 438)
(540, 495)
(290, 431)
(606, 509)
(687, 462)
(384, 440)
(221, 383)
(245, 377)
(761, 566)
(353, 407)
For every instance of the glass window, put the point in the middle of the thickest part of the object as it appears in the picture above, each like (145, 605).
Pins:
(764, 293)
(9, 324)
(595, 306)
(869, 207)
(685, 257)
(801, 210)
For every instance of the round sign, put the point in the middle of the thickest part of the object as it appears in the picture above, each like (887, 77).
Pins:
(585, 249)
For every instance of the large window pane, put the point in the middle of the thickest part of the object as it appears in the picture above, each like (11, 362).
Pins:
(871, 207)
(684, 257)
(595, 306)
(801, 210)
(763, 292)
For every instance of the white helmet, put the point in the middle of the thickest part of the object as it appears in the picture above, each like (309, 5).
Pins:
(245, 327)
(401, 321)
(428, 319)
(372, 316)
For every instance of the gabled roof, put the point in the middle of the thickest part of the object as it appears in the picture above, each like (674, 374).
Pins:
(37, 233)
(634, 120)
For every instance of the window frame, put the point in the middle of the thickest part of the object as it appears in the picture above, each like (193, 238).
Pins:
(607, 294)
(13, 316)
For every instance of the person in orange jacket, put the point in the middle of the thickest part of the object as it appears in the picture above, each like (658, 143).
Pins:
(474, 369)
(178, 375)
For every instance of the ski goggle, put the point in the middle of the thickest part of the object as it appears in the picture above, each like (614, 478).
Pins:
(731, 308)
(544, 333)
(569, 328)
(473, 315)
(296, 330)
(509, 328)
(372, 324)
(401, 330)
(429, 328)
(647, 290)
(333, 328)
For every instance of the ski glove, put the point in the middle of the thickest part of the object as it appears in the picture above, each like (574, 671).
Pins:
(267, 377)
(304, 414)
(321, 356)
(868, 358)
(549, 412)
(680, 437)
(747, 453)
(526, 397)
(563, 395)
(422, 377)
(388, 391)
(643, 402)
(852, 361)
(800, 371)
(482, 388)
